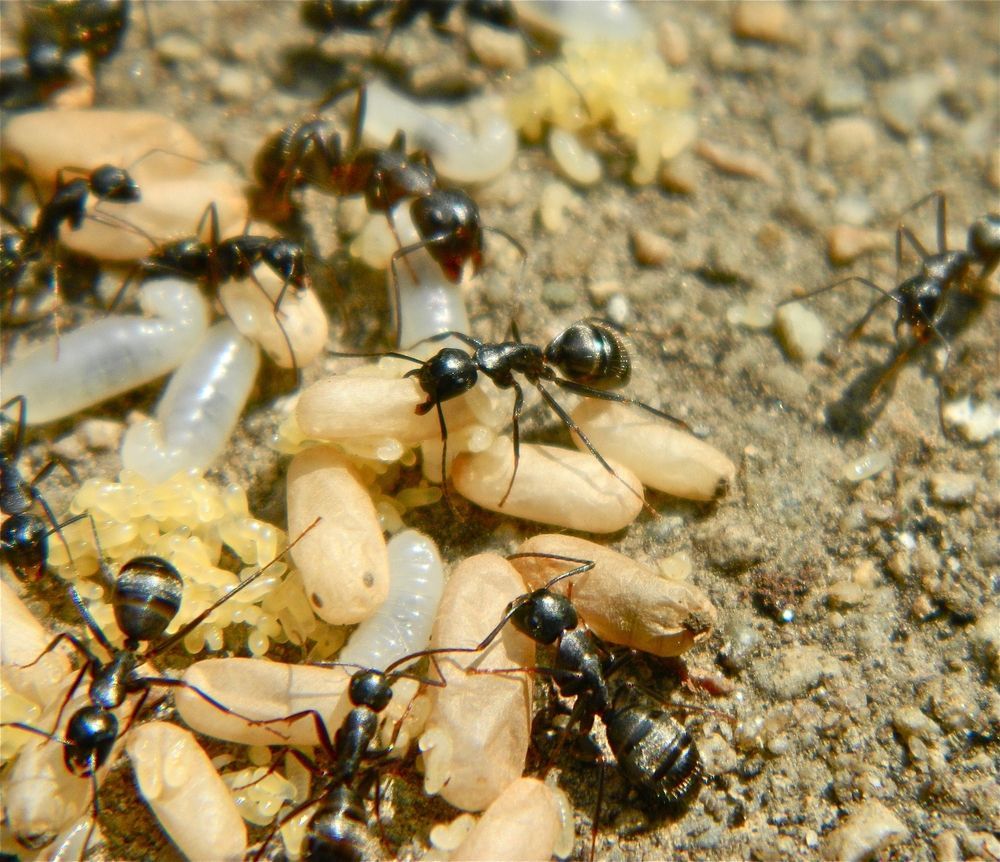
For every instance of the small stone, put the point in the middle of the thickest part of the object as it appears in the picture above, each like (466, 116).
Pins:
(868, 465)
(946, 847)
(737, 162)
(802, 332)
(601, 292)
(845, 594)
(982, 845)
(977, 423)
(766, 20)
(673, 43)
(753, 314)
(871, 828)
(177, 48)
(903, 100)
(985, 640)
(101, 434)
(559, 294)
(842, 93)
(235, 84)
(993, 167)
(680, 174)
(556, 199)
(865, 574)
(953, 489)
(910, 721)
(618, 309)
(649, 248)
(796, 671)
(717, 755)
(846, 243)
(849, 139)
(739, 647)
(731, 546)
(70, 447)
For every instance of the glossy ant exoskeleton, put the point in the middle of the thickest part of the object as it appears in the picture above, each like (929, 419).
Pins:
(940, 300)
(24, 536)
(588, 358)
(338, 829)
(216, 261)
(654, 752)
(146, 597)
(67, 205)
(310, 152)
(51, 34)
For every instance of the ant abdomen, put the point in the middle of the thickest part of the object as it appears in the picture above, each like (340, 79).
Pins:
(25, 545)
(147, 596)
(984, 241)
(338, 831)
(591, 352)
(656, 754)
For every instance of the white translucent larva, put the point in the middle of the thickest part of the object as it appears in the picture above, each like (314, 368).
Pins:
(423, 301)
(186, 793)
(111, 355)
(198, 410)
(459, 155)
(403, 623)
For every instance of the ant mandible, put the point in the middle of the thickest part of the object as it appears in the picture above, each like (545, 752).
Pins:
(590, 355)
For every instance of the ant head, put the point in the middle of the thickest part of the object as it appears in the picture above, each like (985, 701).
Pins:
(24, 542)
(146, 598)
(370, 688)
(90, 734)
(920, 297)
(111, 183)
(592, 352)
(448, 222)
(447, 374)
(984, 240)
(543, 615)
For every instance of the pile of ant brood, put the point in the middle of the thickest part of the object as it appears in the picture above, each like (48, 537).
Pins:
(161, 506)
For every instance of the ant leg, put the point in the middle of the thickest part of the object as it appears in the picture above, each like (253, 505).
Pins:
(69, 695)
(515, 415)
(603, 395)
(95, 805)
(89, 621)
(444, 453)
(851, 278)
(601, 764)
(855, 331)
(903, 232)
(21, 402)
(567, 420)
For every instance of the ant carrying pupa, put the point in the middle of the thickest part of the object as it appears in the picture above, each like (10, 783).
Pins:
(654, 753)
(589, 358)
(146, 596)
(933, 306)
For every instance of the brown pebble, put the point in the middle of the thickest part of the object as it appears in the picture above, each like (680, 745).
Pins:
(766, 20)
(849, 139)
(845, 243)
(737, 162)
(649, 248)
(673, 43)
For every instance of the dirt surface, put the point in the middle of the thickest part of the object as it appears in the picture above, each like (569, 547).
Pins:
(859, 621)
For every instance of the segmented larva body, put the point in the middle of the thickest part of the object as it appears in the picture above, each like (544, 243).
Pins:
(198, 410)
(403, 623)
(111, 355)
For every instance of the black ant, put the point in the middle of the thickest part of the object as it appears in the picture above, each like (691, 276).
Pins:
(67, 205)
(655, 753)
(590, 355)
(52, 33)
(24, 535)
(447, 220)
(338, 829)
(146, 597)
(941, 298)
(219, 260)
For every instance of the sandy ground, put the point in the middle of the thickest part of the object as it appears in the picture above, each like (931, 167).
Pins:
(859, 622)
